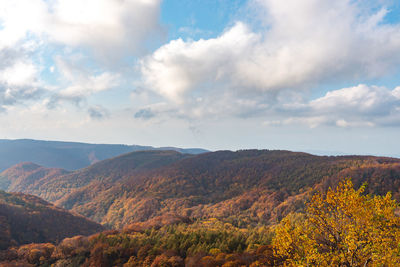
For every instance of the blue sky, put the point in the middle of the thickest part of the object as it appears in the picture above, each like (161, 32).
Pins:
(199, 19)
(319, 76)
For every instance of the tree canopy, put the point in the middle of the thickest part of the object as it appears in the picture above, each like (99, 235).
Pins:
(343, 227)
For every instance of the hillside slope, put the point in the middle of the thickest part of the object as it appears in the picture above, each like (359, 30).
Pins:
(251, 186)
(27, 176)
(27, 219)
(33, 179)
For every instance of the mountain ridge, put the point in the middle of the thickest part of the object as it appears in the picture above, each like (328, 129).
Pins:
(253, 186)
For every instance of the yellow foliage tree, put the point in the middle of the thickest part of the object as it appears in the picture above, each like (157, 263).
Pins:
(342, 228)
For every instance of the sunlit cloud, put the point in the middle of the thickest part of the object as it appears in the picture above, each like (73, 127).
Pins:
(299, 49)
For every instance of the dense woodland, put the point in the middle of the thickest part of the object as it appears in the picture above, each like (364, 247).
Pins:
(344, 227)
(251, 208)
(29, 219)
(250, 187)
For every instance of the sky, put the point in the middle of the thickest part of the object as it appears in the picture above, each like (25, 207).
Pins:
(319, 76)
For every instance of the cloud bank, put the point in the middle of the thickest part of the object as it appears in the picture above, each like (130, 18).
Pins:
(107, 27)
(360, 105)
(95, 35)
(301, 45)
(289, 67)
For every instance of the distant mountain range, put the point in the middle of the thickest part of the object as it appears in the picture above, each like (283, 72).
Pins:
(67, 155)
(248, 186)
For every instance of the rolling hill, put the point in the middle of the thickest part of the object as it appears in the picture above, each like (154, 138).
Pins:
(66, 155)
(27, 176)
(243, 187)
(28, 219)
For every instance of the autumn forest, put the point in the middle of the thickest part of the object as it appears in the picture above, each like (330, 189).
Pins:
(165, 208)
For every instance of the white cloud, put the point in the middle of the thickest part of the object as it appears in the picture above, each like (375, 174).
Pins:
(33, 33)
(81, 83)
(108, 27)
(19, 17)
(180, 66)
(304, 44)
(21, 73)
(18, 78)
(90, 85)
(356, 106)
(361, 99)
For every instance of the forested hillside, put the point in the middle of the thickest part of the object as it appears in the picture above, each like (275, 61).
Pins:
(28, 219)
(342, 227)
(243, 188)
(27, 176)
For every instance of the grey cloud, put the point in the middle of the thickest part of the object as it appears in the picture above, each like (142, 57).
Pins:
(212, 107)
(145, 114)
(16, 86)
(98, 112)
(358, 106)
(56, 99)
(8, 56)
(12, 96)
